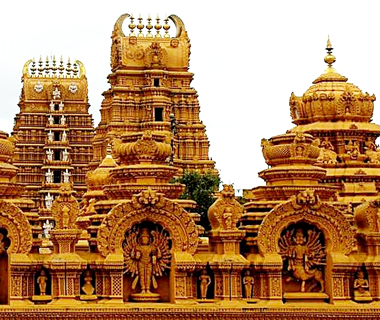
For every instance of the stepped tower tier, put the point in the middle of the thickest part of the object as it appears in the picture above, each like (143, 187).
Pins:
(339, 114)
(53, 130)
(150, 90)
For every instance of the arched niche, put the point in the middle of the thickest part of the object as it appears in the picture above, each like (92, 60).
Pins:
(153, 207)
(338, 234)
(19, 231)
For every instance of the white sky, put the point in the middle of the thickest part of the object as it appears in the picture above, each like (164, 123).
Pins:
(247, 57)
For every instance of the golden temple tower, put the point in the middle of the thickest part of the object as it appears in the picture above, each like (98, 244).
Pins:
(150, 90)
(53, 130)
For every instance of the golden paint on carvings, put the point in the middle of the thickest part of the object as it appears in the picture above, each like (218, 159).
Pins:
(94, 218)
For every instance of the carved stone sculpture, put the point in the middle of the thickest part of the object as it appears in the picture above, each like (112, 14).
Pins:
(42, 281)
(361, 288)
(204, 282)
(248, 281)
(88, 288)
(146, 256)
(303, 255)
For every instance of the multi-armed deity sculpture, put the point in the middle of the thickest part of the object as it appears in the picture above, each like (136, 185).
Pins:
(110, 229)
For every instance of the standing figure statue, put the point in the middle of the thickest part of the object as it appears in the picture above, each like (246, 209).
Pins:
(63, 120)
(47, 227)
(204, 282)
(65, 155)
(51, 120)
(248, 284)
(49, 176)
(64, 136)
(146, 256)
(42, 281)
(49, 201)
(303, 256)
(50, 136)
(66, 176)
(49, 154)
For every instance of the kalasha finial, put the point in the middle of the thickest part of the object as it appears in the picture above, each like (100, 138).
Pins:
(329, 59)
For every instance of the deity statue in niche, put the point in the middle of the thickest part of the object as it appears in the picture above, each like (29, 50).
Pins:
(42, 282)
(361, 288)
(301, 248)
(248, 284)
(146, 256)
(204, 282)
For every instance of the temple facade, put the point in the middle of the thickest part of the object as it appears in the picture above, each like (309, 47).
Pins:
(92, 225)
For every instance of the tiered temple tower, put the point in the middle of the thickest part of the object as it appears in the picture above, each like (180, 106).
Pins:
(150, 90)
(53, 130)
(331, 151)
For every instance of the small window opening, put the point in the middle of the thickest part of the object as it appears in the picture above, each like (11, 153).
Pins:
(56, 120)
(156, 82)
(56, 107)
(158, 114)
(57, 176)
(56, 136)
(57, 155)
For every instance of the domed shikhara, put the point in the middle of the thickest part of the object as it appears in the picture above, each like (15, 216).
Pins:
(331, 98)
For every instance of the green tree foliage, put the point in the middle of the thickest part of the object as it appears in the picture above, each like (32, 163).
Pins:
(200, 187)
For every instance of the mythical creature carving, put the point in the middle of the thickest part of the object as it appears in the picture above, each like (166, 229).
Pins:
(146, 256)
(327, 154)
(371, 151)
(352, 149)
(302, 256)
(225, 211)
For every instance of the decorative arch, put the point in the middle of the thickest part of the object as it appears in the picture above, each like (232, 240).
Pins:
(19, 230)
(306, 207)
(148, 206)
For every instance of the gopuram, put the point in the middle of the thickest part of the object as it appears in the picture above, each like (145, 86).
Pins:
(92, 225)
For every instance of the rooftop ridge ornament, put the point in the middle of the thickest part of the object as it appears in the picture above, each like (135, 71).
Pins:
(51, 69)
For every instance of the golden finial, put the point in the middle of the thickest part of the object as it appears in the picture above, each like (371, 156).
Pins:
(166, 27)
(329, 59)
(40, 67)
(75, 69)
(33, 68)
(158, 27)
(132, 26)
(68, 68)
(54, 67)
(61, 68)
(140, 26)
(47, 67)
(149, 27)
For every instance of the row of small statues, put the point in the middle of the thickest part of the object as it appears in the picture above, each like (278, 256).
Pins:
(50, 176)
(50, 153)
(50, 136)
(352, 151)
(361, 286)
(62, 120)
(87, 287)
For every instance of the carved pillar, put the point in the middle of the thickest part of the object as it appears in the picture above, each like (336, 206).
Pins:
(183, 266)
(270, 271)
(16, 285)
(227, 264)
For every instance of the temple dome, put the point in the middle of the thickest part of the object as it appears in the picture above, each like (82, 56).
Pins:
(331, 98)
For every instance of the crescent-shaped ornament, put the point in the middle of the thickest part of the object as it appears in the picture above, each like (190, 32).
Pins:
(25, 69)
(82, 69)
(117, 30)
(178, 23)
